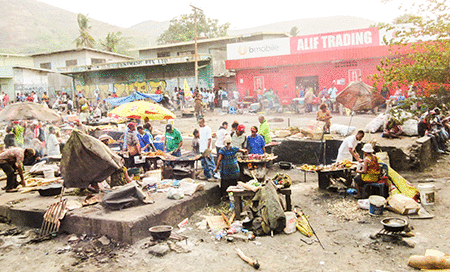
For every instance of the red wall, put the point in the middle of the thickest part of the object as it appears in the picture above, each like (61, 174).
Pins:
(283, 78)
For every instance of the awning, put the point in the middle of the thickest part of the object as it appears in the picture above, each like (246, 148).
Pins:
(134, 96)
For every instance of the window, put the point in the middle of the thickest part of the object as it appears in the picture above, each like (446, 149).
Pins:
(71, 63)
(186, 53)
(163, 54)
(46, 65)
(97, 61)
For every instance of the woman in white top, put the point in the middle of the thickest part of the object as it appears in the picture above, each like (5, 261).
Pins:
(221, 136)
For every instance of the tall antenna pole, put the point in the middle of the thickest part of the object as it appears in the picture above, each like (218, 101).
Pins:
(195, 43)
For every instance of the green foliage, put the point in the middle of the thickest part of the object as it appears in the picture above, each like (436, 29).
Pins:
(294, 31)
(85, 39)
(420, 51)
(112, 41)
(182, 28)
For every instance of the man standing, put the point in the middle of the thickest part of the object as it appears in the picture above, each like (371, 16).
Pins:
(221, 136)
(238, 138)
(144, 139)
(347, 148)
(11, 160)
(205, 149)
(264, 129)
(83, 107)
(173, 141)
(332, 92)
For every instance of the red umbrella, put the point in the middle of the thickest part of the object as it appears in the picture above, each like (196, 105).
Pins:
(360, 96)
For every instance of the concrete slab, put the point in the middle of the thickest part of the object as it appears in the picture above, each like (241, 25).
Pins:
(128, 225)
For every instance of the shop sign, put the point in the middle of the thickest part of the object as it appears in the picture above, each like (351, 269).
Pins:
(336, 40)
(258, 49)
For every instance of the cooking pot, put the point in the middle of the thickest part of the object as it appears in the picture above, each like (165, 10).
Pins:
(50, 190)
(285, 165)
(161, 232)
(394, 224)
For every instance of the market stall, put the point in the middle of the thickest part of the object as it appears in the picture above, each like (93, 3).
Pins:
(333, 174)
(254, 165)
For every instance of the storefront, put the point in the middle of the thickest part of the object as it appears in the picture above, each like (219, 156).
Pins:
(316, 61)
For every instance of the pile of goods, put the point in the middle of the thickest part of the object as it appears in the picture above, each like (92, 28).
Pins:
(257, 158)
(332, 167)
(154, 154)
(282, 179)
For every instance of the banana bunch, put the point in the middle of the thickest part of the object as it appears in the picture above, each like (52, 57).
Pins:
(303, 225)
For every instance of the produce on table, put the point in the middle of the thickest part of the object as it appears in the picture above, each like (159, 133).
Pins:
(282, 179)
(331, 167)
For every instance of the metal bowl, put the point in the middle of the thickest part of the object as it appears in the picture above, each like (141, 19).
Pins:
(161, 232)
(285, 165)
(394, 224)
(50, 189)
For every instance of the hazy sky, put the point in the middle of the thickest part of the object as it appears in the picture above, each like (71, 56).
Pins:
(239, 13)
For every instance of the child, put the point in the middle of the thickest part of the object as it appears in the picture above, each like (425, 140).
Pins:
(195, 142)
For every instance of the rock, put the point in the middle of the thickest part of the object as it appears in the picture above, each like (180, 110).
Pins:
(73, 238)
(104, 240)
(159, 250)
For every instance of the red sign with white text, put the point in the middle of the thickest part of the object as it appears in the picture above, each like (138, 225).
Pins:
(335, 40)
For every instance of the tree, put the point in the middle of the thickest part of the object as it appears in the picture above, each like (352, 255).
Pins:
(182, 28)
(421, 49)
(85, 39)
(294, 31)
(112, 40)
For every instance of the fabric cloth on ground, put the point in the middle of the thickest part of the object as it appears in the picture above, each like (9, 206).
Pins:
(86, 160)
(127, 196)
(269, 209)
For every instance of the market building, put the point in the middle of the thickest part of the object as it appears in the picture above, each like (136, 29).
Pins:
(164, 67)
(314, 61)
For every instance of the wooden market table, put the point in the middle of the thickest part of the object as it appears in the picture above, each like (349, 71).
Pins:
(325, 175)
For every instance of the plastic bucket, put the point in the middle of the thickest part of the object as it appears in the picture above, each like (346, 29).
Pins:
(290, 222)
(376, 206)
(49, 173)
(427, 194)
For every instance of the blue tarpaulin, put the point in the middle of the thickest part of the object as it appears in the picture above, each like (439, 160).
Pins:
(134, 96)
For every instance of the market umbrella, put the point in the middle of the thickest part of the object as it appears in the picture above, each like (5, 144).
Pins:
(28, 111)
(359, 96)
(141, 109)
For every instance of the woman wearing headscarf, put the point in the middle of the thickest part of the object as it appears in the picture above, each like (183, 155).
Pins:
(370, 171)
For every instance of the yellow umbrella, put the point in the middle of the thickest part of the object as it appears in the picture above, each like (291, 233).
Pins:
(142, 109)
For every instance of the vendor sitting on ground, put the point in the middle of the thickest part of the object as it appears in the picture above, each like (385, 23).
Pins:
(255, 142)
(12, 160)
(370, 171)
(392, 129)
(228, 164)
(324, 115)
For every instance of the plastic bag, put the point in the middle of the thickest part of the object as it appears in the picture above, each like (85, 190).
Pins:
(410, 128)
(364, 204)
(175, 193)
(342, 130)
(374, 125)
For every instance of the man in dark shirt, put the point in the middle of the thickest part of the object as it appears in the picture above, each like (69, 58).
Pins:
(9, 139)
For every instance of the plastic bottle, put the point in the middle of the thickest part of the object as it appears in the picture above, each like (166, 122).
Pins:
(231, 197)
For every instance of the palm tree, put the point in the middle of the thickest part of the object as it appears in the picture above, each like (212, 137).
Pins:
(85, 39)
(112, 40)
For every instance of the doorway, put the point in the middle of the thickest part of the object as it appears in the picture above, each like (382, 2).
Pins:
(308, 82)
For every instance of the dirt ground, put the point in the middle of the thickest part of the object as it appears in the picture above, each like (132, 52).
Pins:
(342, 228)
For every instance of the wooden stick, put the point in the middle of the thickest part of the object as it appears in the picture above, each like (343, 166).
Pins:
(225, 219)
(248, 260)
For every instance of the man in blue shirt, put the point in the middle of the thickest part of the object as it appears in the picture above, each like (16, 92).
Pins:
(255, 142)
(144, 139)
